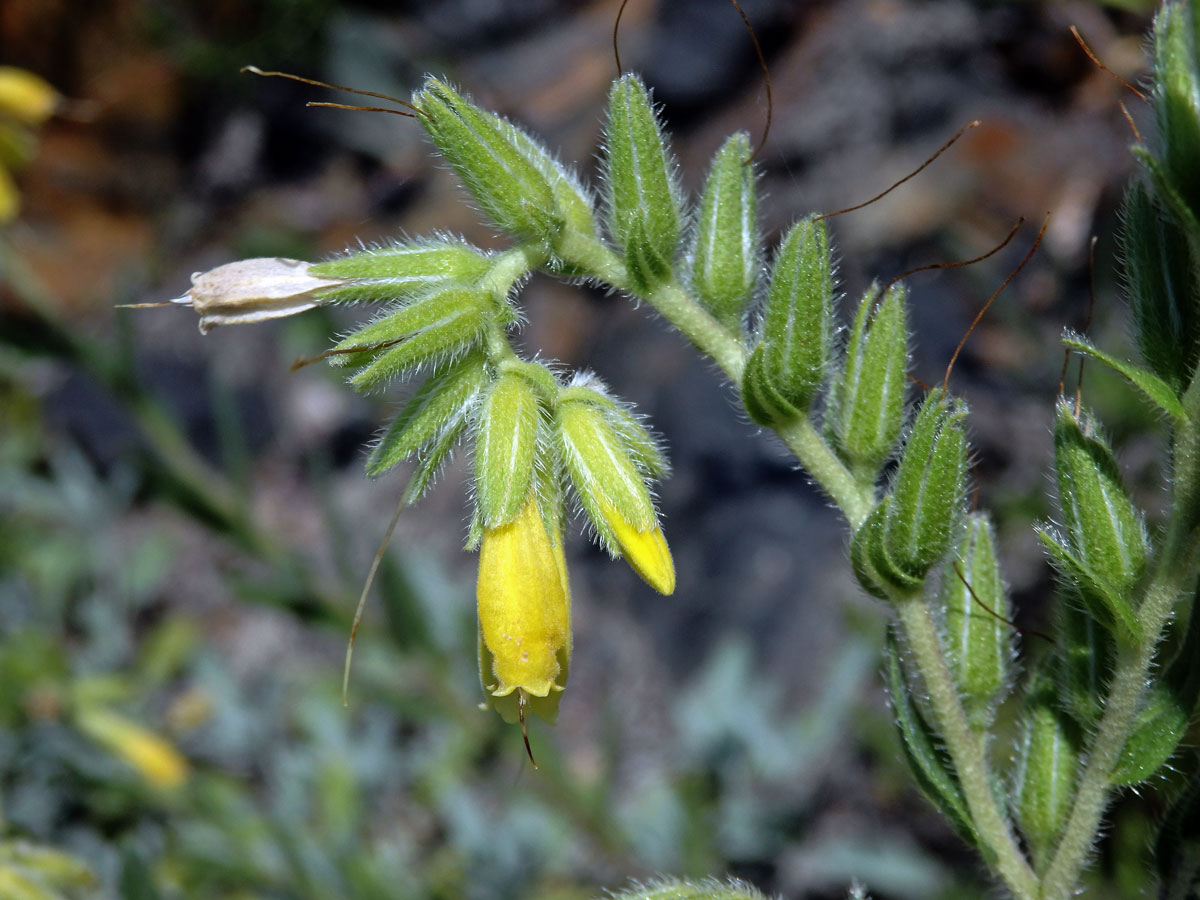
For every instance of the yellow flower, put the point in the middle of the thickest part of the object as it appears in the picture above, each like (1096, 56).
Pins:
(646, 551)
(154, 757)
(524, 616)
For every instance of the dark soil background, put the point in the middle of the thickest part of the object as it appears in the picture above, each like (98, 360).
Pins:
(166, 161)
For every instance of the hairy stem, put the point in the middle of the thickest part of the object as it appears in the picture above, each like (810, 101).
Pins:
(1176, 574)
(966, 749)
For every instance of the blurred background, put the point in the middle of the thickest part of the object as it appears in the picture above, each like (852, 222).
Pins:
(185, 525)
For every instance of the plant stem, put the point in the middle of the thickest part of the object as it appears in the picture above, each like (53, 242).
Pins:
(966, 749)
(1176, 574)
(853, 498)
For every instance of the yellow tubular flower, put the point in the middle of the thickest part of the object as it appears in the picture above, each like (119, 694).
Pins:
(524, 616)
(646, 551)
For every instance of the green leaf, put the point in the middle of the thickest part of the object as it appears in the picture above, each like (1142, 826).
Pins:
(403, 271)
(505, 449)
(978, 644)
(1160, 726)
(487, 154)
(797, 325)
(762, 400)
(432, 459)
(1108, 607)
(1103, 528)
(679, 889)
(442, 325)
(1084, 656)
(1177, 848)
(643, 200)
(1047, 767)
(1163, 288)
(1154, 388)
(929, 490)
(866, 410)
(441, 402)
(725, 248)
(926, 759)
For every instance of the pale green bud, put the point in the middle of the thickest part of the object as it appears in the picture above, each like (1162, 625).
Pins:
(643, 200)
(797, 324)
(929, 490)
(977, 641)
(866, 409)
(725, 250)
(488, 156)
(1047, 767)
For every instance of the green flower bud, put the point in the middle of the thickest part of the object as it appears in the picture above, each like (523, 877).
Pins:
(874, 571)
(797, 324)
(441, 403)
(1084, 660)
(505, 449)
(930, 487)
(1102, 526)
(1046, 771)
(725, 255)
(643, 200)
(978, 644)
(402, 271)
(488, 156)
(867, 402)
(760, 396)
(440, 326)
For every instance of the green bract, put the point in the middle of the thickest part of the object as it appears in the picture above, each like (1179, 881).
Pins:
(725, 248)
(644, 208)
(402, 271)
(440, 326)
(505, 446)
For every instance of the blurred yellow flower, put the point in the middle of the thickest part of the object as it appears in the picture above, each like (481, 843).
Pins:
(154, 757)
(524, 616)
(26, 101)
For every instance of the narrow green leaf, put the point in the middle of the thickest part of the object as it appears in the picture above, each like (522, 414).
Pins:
(725, 247)
(442, 400)
(432, 459)
(922, 749)
(1160, 726)
(867, 401)
(1108, 607)
(1177, 849)
(1177, 99)
(1154, 388)
(1163, 288)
